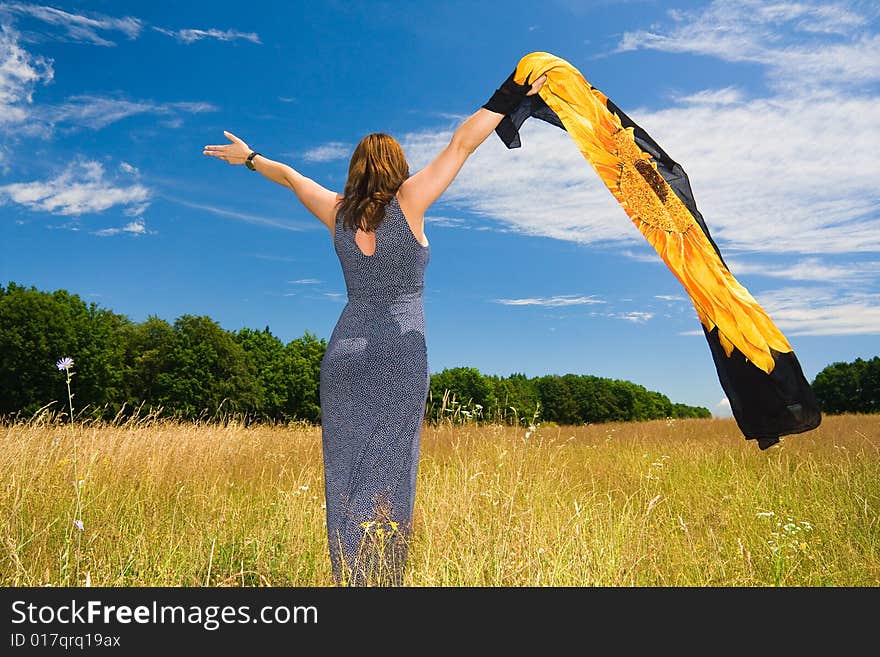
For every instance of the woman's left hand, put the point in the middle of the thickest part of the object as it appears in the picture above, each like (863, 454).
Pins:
(536, 85)
(234, 153)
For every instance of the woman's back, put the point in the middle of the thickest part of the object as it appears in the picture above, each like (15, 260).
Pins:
(396, 266)
(374, 386)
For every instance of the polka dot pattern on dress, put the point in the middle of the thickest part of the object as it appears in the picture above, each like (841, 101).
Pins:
(373, 390)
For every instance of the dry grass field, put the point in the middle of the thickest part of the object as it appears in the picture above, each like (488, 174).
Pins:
(661, 503)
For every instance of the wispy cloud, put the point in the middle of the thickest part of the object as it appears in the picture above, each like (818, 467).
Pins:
(809, 269)
(635, 316)
(20, 72)
(274, 258)
(136, 227)
(446, 222)
(559, 300)
(800, 43)
(820, 310)
(76, 27)
(334, 150)
(544, 189)
(97, 112)
(191, 35)
(762, 168)
(670, 297)
(242, 216)
(725, 96)
(750, 202)
(823, 311)
(80, 188)
(84, 27)
(305, 281)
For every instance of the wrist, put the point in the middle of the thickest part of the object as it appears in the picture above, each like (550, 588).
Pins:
(249, 160)
(508, 96)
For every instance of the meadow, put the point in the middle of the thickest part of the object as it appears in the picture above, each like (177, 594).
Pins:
(661, 503)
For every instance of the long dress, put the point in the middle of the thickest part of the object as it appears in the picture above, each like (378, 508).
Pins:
(373, 389)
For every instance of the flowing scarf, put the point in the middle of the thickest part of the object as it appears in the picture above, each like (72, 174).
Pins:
(756, 365)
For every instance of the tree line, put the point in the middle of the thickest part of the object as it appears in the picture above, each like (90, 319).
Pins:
(850, 387)
(193, 368)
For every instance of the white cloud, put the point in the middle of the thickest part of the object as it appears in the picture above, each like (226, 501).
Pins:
(191, 35)
(809, 269)
(670, 297)
(305, 281)
(725, 96)
(334, 150)
(793, 172)
(79, 189)
(20, 72)
(445, 222)
(823, 311)
(559, 300)
(546, 188)
(812, 44)
(637, 317)
(136, 227)
(722, 408)
(77, 27)
(733, 155)
(245, 216)
(96, 112)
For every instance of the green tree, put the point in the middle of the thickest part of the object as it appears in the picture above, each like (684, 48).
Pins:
(147, 348)
(266, 355)
(466, 385)
(36, 329)
(205, 368)
(515, 398)
(302, 377)
(849, 387)
(557, 401)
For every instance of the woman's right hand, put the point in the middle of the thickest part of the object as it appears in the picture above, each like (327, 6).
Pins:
(234, 153)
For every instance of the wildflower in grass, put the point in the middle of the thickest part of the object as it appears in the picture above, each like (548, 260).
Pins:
(64, 363)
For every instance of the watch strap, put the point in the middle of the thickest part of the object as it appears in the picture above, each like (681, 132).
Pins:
(249, 162)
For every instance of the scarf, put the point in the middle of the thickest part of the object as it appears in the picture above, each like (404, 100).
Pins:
(756, 365)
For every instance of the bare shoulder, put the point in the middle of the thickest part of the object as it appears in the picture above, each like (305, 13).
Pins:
(332, 224)
(414, 217)
(408, 206)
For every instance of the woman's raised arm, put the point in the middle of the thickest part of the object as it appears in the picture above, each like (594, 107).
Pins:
(319, 200)
(423, 188)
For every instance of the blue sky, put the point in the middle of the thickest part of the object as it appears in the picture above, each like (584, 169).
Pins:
(773, 109)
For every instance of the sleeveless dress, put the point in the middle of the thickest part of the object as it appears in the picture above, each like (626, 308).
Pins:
(373, 388)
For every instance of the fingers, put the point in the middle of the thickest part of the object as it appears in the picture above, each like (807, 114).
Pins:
(224, 151)
(536, 85)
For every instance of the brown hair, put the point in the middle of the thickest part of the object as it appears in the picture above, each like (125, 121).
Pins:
(377, 169)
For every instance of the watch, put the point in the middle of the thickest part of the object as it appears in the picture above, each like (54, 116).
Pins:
(249, 162)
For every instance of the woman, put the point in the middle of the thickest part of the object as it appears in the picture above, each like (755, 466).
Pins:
(374, 373)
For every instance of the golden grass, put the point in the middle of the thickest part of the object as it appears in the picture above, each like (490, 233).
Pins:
(660, 503)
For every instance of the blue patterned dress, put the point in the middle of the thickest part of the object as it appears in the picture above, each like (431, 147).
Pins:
(373, 390)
